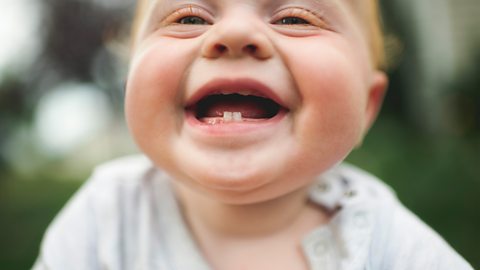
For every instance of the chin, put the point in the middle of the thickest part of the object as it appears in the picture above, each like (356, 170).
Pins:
(232, 178)
(240, 187)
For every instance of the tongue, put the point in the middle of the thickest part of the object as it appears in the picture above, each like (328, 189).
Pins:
(248, 106)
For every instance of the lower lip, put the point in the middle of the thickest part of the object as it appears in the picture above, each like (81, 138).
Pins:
(233, 128)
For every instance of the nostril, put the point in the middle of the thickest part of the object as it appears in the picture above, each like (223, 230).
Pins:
(250, 48)
(220, 48)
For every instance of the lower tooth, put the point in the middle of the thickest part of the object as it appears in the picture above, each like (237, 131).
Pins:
(227, 116)
(212, 121)
(237, 116)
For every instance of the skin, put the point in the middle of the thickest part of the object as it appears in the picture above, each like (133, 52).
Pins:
(230, 177)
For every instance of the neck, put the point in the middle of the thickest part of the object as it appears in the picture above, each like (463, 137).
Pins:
(209, 216)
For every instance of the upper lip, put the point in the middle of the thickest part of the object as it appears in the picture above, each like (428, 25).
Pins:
(234, 86)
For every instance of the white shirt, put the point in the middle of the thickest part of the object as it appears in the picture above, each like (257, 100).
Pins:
(126, 217)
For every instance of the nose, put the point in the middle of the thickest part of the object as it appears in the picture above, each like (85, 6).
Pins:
(237, 38)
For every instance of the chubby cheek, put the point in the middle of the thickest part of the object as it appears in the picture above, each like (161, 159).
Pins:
(152, 98)
(332, 87)
(332, 112)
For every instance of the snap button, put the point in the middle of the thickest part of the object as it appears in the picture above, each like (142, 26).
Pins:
(350, 193)
(323, 187)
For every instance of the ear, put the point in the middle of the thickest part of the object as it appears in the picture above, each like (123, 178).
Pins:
(376, 93)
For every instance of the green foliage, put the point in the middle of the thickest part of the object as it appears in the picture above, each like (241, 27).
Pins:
(438, 178)
(26, 209)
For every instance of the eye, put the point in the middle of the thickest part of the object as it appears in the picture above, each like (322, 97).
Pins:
(291, 20)
(192, 20)
(188, 16)
(298, 17)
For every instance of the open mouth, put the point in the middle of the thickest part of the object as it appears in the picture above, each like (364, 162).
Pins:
(234, 108)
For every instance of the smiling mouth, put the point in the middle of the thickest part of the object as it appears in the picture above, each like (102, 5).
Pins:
(234, 107)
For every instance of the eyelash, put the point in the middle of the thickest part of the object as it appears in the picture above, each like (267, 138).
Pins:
(185, 12)
(311, 18)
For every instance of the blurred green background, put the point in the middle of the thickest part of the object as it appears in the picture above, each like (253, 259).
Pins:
(62, 71)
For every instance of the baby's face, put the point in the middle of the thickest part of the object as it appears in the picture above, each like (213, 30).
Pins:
(248, 100)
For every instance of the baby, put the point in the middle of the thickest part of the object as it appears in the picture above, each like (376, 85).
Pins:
(244, 110)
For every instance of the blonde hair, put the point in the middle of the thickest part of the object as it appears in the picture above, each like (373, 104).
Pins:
(376, 36)
(140, 13)
(372, 20)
